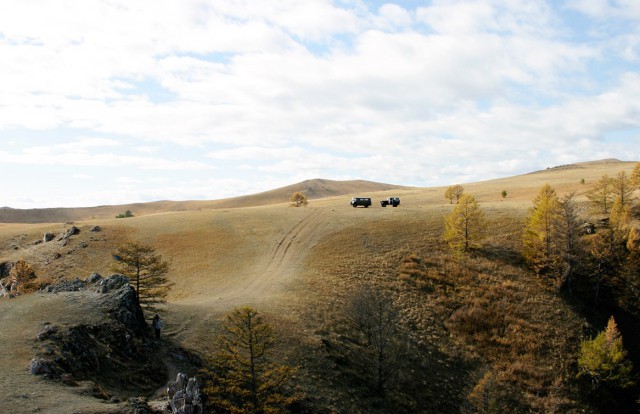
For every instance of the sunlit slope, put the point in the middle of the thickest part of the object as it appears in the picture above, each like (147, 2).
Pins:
(213, 250)
(313, 189)
(265, 255)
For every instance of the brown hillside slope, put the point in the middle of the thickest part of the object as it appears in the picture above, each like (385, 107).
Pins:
(314, 189)
(294, 264)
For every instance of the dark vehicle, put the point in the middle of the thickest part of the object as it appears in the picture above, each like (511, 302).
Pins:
(360, 201)
(391, 201)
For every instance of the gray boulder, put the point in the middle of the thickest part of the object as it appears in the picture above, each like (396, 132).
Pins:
(42, 366)
(73, 230)
(184, 395)
(93, 278)
(112, 282)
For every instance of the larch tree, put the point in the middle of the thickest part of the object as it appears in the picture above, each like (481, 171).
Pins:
(604, 359)
(569, 231)
(375, 317)
(19, 275)
(635, 176)
(465, 226)
(602, 194)
(454, 192)
(622, 188)
(147, 273)
(620, 222)
(244, 379)
(298, 199)
(542, 246)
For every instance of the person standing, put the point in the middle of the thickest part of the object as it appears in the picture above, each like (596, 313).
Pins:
(157, 325)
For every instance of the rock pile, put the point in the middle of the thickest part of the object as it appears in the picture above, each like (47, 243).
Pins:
(184, 395)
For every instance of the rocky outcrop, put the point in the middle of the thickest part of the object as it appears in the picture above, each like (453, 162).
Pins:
(66, 286)
(73, 230)
(111, 283)
(116, 351)
(184, 395)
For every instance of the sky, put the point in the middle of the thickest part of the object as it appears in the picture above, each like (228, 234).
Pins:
(121, 101)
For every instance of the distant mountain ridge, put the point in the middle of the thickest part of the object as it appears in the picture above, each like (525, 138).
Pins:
(313, 189)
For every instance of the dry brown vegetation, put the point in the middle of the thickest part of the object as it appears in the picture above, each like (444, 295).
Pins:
(481, 332)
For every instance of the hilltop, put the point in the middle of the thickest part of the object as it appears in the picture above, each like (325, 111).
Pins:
(486, 319)
(313, 189)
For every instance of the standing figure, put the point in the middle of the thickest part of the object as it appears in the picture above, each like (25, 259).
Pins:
(157, 325)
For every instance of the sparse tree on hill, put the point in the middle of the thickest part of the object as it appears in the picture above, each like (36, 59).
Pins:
(147, 273)
(126, 214)
(602, 195)
(454, 192)
(604, 359)
(542, 246)
(244, 379)
(298, 199)
(465, 227)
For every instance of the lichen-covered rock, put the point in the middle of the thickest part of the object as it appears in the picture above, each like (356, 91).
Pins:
(112, 282)
(73, 230)
(93, 278)
(66, 286)
(43, 366)
(47, 332)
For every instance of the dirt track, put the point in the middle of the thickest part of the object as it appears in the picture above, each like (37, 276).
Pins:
(265, 285)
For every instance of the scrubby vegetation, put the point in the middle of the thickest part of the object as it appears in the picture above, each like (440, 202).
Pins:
(126, 214)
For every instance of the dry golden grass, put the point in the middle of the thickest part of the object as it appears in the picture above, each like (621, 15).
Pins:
(298, 266)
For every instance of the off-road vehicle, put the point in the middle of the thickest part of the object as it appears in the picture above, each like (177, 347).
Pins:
(360, 201)
(391, 201)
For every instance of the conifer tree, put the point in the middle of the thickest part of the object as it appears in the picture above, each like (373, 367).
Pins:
(602, 195)
(541, 239)
(572, 245)
(146, 272)
(622, 188)
(244, 378)
(376, 317)
(20, 275)
(635, 177)
(465, 226)
(604, 359)
(619, 222)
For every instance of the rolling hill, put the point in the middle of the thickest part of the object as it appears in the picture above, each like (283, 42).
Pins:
(300, 267)
(313, 189)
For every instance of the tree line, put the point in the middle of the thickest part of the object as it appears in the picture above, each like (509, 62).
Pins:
(592, 256)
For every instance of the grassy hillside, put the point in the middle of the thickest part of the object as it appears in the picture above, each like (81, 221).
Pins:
(313, 189)
(476, 328)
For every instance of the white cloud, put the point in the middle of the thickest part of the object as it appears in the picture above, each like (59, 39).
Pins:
(243, 90)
